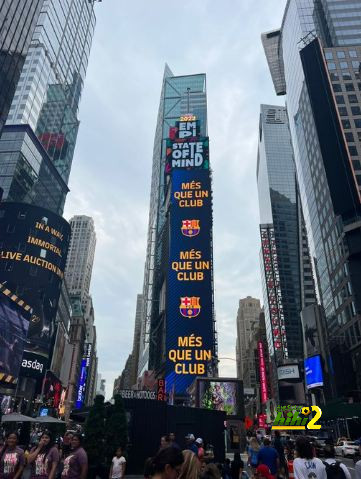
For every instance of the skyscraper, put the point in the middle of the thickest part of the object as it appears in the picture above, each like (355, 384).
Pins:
(79, 266)
(248, 314)
(47, 99)
(314, 58)
(17, 23)
(180, 140)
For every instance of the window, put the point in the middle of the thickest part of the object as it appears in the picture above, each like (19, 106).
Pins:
(340, 100)
(353, 150)
(328, 55)
(356, 164)
(352, 99)
(331, 66)
(352, 53)
(356, 110)
(337, 87)
(343, 111)
(357, 123)
(10, 229)
(349, 87)
(349, 137)
(8, 266)
(355, 64)
(33, 271)
(334, 76)
(359, 86)
(22, 215)
(346, 124)
(343, 65)
(341, 55)
(346, 76)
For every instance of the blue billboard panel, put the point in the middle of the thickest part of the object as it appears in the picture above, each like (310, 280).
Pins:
(190, 332)
(313, 372)
(82, 384)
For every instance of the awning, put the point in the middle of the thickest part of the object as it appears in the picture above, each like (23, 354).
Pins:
(48, 419)
(16, 417)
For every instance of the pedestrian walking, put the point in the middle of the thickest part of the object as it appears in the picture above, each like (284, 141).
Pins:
(279, 446)
(263, 472)
(306, 466)
(12, 458)
(172, 440)
(253, 450)
(199, 444)
(334, 469)
(167, 464)
(190, 467)
(76, 463)
(44, 458)
(269, 456)
(117, 469)
(190, 444)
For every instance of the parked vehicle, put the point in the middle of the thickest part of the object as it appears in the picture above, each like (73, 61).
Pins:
(346, 448)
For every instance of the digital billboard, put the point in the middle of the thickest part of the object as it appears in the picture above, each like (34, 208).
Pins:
(262, 372)
(221, 395)
(14, 325)
(313, 372)
(189, 325)
(34, 244)
(84, 368)
(52, 390)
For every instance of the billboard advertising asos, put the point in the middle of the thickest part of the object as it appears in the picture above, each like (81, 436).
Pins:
(221, 394)
(189, 326)
(34, 245)
(313, 372)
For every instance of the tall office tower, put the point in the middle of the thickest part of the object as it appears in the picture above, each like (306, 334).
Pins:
(17, 23)
(136, 338)
(79, 265)
(315, 59)
(47, 99)
(248, 313)
(183, 104)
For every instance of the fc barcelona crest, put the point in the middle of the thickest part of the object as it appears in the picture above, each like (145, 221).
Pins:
(190, 307)
(190, 228)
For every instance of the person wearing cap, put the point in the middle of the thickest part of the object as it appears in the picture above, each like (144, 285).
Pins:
(199, 444)
(263, 471)
(190, 444)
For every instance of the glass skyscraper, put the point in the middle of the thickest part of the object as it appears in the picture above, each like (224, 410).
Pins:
(48, 92)
(180, 95)
(328, 167)
(17, 22)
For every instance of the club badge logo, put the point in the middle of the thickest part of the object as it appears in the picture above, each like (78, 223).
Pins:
(190, 307)
(190, 228)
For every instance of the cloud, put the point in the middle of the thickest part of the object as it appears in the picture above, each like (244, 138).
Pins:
(111, 172)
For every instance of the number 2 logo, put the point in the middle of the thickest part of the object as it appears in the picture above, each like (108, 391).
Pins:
(312, 424)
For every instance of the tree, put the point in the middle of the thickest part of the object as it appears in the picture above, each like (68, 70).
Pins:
(94, 443)
(116, 427)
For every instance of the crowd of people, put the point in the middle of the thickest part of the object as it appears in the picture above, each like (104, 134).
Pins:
(266, 459)
(50, 459)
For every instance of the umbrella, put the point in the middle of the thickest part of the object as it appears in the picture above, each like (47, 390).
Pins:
(48, 419)
(16, 417)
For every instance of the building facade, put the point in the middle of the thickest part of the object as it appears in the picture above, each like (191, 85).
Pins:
(17, 23)
(248, 313)
(314, 59)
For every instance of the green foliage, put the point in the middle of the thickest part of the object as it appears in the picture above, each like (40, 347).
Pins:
(94, 442)
(116, 429)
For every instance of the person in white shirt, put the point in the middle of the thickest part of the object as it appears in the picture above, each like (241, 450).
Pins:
(306, 465)
(117, 468)
(330, 459)
(358, 470)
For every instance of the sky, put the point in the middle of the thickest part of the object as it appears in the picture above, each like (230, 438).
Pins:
(111, 173)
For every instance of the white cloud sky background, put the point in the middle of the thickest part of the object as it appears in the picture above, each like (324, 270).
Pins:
(111, 173)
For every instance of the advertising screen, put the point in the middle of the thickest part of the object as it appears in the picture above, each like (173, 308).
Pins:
(14, 325)
(262, 372)
(52, 390)
(189, 327)
(85, 363)
(34, 244)
(221, 395)
(313, 372)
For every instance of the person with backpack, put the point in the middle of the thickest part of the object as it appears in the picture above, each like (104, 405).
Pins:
(253, 450)
(334, 469)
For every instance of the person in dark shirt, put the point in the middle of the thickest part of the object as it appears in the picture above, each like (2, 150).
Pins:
(278, 445)
(269, 456)
(190, 444)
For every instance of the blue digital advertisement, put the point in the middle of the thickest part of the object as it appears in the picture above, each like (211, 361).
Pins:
(190, 336)
(313, 372)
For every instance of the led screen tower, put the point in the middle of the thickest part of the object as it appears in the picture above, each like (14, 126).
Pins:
(178, 317)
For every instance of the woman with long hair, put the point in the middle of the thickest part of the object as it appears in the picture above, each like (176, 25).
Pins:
(44, 458)
(76, 464)
(253, 450)
(12, 458)
(190, 467)
(167, 464)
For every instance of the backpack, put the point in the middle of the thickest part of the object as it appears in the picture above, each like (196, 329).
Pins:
(334, 470)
